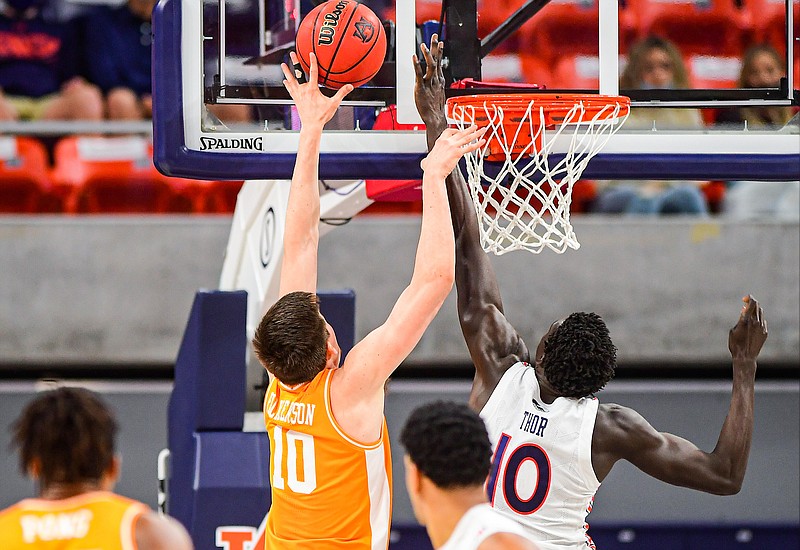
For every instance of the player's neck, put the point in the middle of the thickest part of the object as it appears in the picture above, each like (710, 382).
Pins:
(546, 391)
(446, 509)
(60, 491)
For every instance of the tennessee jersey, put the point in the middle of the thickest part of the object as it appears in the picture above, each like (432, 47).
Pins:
(478, 524)
(328, 490)
(84, 522)
(542, 473)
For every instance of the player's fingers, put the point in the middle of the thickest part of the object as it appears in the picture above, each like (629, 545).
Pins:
(342, 92)
(417, 66)
(289, 82)
(429, 68)
(471, 133)
(313, 72)
(297, 68)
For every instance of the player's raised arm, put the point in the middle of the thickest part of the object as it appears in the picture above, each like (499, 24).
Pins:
(372, 360)
(301, 237)
(623, 433)
(493, 343)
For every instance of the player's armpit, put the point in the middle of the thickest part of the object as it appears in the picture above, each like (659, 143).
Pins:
(494, 346)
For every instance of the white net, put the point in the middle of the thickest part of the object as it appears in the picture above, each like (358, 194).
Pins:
(521, 181)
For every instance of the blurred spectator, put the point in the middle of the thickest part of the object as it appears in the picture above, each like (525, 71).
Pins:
(118, 42)
(38, 67)
(654, 63)
(762, 67)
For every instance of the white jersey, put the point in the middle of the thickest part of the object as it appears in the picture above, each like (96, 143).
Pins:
(542, 473)
(478, 524)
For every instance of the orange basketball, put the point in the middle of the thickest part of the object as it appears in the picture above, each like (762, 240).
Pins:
(348, 40)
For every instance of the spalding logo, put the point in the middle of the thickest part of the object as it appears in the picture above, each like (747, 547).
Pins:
(364, 30)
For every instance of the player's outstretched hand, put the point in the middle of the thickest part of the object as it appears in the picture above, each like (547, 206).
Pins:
(429, 88)
(314, 108)
(748, 336)
(450, 147)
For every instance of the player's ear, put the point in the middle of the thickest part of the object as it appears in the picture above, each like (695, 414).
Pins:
(332, 355)
(413, 476)
(34, 468)
(111, 475)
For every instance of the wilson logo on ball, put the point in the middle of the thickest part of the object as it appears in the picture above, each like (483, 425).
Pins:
(328, 28)
(364, 30)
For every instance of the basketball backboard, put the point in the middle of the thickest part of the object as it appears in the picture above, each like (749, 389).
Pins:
(218, 54)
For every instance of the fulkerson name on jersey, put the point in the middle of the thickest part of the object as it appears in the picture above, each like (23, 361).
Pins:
(290, 412)
(59, 526)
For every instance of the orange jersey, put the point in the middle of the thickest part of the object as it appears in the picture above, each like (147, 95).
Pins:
(329, 491)
(85, 522)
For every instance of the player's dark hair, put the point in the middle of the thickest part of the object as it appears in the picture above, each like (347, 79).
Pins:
(449, 444)
(291, 339)
(579, 357)
(69, 432)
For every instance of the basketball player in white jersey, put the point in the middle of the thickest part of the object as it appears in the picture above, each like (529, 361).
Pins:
(448, 455)
(541, 408)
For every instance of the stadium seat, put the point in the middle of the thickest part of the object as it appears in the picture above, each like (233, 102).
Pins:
(24, 178)
(697, 27)
(219, 197)
(769, 23)
(535, 71)
(578, 72)
(566, 28)
(116, 175)
(394, 196)
(714, 72)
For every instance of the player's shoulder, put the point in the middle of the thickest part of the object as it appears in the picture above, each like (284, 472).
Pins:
(155, 532)
(615, 421)
(507, 541)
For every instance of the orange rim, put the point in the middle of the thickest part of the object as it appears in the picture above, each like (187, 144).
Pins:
(555, 106)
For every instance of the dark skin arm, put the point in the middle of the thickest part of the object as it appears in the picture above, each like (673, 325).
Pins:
(622, 433)
(494, 345)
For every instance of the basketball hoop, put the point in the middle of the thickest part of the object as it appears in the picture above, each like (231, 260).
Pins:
(522, 199)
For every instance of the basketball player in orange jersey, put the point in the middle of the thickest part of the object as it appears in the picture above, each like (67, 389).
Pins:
(66, 439)
(540, 407)
(330, 468)
(448, 455)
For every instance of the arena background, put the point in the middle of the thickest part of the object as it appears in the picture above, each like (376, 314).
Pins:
(105, 300)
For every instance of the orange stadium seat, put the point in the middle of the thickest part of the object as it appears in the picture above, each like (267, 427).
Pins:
(578, 72)
(697, 27)
(769, 22)
(219, 197)
(568, 28)
(116, 175)
(394, 196)
(714, 72)
(24, 175)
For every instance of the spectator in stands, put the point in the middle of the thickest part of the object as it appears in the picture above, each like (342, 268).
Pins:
(762, 67)
(39, 67)
(117, 57)
(654, 63)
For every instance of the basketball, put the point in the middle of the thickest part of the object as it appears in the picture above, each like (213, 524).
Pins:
(348, 40)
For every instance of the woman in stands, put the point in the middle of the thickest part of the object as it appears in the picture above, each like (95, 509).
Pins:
(654, 63)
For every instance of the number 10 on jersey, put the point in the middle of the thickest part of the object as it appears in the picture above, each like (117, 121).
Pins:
(299, 459)
(505, 469)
